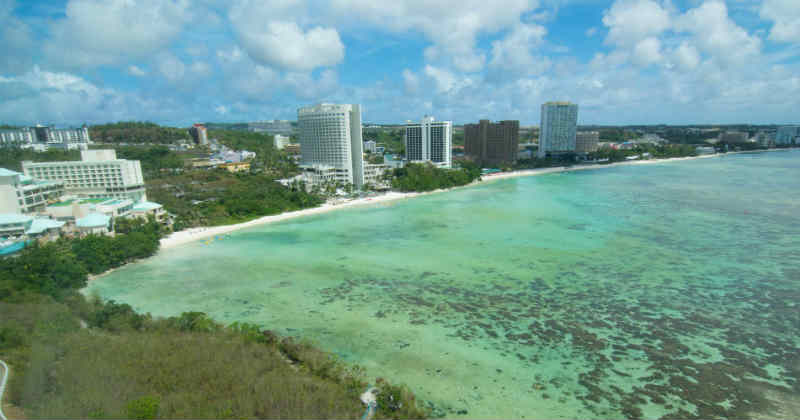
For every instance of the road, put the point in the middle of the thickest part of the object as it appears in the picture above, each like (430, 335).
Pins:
(3, 387)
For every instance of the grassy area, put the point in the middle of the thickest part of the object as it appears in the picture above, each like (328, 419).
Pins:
(181, 367)
(74, 357)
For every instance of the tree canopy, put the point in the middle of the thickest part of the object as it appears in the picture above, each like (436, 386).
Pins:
(427, 177)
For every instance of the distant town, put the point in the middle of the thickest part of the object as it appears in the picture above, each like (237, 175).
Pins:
(328, 152)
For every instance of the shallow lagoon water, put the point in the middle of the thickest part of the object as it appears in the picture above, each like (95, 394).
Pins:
(669, 289)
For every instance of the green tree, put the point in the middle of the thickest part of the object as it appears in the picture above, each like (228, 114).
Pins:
(142, 408)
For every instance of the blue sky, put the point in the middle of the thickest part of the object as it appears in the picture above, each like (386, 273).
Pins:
(175, 62)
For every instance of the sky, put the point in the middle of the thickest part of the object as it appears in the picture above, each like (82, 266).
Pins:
(175, 62)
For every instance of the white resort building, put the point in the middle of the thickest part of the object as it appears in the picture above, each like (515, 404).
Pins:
(330, 142)
(43, 137)
(98, 174)
(22, 194)
(430, 141)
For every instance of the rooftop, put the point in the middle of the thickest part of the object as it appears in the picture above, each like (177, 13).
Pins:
(8, 172)
(14, 218)
(40, 225)
(93, 220)
(146, 205)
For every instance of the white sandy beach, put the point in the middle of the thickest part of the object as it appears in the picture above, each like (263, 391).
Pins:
(194, 234)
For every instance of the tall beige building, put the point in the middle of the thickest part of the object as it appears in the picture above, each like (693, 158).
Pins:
(586, 141)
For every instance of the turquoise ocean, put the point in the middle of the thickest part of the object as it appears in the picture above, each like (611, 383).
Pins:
(669, 289)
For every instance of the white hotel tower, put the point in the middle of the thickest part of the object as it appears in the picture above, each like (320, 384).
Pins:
(331, 144)
(557, 132)
(430, 141)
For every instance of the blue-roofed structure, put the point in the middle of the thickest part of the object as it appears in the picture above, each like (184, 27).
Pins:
(146, 206)
(93, 220)
(41, 226)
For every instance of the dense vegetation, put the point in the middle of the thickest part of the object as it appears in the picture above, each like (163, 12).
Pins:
(134, 132)
(12, 157)
(74, 357)
(684, 136)
(268, 159)
(217, 197)
(154, 160)
(226, 126)
(426, 177)
(239, 140)
(656, 152)
(616, 135)
(548, 162)
(390, 138)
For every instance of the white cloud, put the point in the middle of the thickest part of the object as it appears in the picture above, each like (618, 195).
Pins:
(512, 55)
(17, 40)
(717, 35)
(136, 71)
(786, 17)
(444, 79)
(233, 55)
(410, 82)
(171, 68)
(452, 25)
(647, 51)
(102, 32)
(200, 69)
(221, 109)
(306, 87)
(687, 56)
(630, 21)
(284, 44)
(447, 81)
(591, 32)
(64, 98)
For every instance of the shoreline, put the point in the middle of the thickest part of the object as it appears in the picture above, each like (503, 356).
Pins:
(199, 233)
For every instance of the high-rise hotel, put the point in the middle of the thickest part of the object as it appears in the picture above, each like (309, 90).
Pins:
(430, 141)
(557, 132)
(331, 144)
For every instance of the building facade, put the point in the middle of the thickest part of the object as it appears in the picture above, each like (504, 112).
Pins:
(43, 137)
(733, 137)
(430, 141)
(280, 141)
(22, 194)
(492, 143)
(558, 128)
(370, 146)
(22, 136)
(586, 141)
(199, 133)
(98, 174)
(331, 142)
(788, 135)
(283, 127)
(373, 174)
